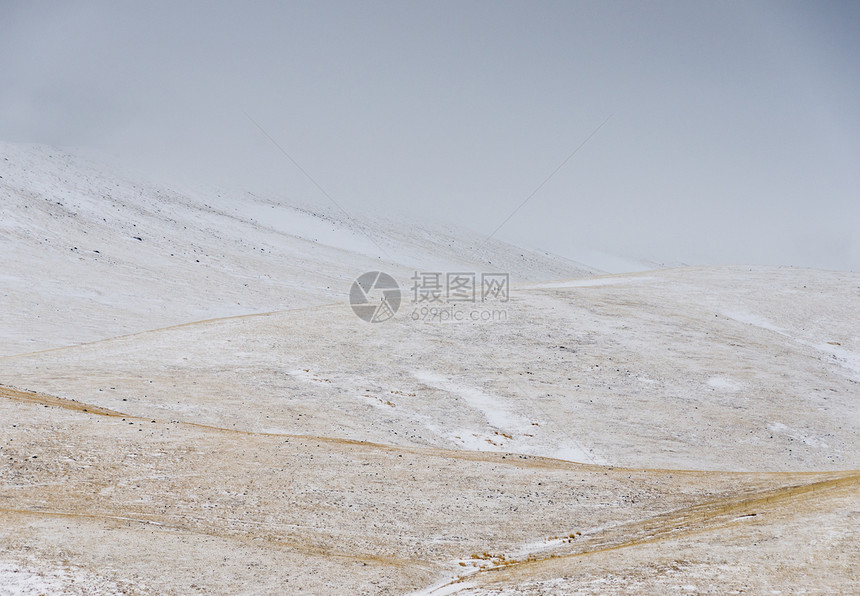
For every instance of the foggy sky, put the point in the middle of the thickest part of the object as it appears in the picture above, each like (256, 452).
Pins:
(733, 132)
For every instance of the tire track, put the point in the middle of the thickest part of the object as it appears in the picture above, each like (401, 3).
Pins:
(497, 457)
(44, 399)
(698, 518)
(169, 328)
(247, 538)
(515, 459)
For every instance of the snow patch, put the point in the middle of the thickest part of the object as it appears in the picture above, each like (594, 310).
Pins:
(293, 222)
(723, 384)
(593, 282)
(16, 580)
(841, 356)
(445, 589)
(492, 408)
(755, 320)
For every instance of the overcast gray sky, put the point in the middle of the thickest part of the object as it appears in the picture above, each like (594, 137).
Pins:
(734, 134)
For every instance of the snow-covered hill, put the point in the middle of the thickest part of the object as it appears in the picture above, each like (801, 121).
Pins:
(91, 251)
(189, 404)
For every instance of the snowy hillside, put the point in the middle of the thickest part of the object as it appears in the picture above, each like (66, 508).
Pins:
(92, 252)
(188, 404)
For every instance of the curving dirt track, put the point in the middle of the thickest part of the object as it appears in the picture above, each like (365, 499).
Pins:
(173, 488)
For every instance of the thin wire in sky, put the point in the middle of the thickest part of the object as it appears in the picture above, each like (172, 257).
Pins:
(315, 183)
(547, 179)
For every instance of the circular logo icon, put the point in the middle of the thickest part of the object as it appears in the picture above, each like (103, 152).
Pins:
(375, 296)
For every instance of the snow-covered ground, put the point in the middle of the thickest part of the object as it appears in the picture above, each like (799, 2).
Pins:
(189, 404)
(92, 252)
